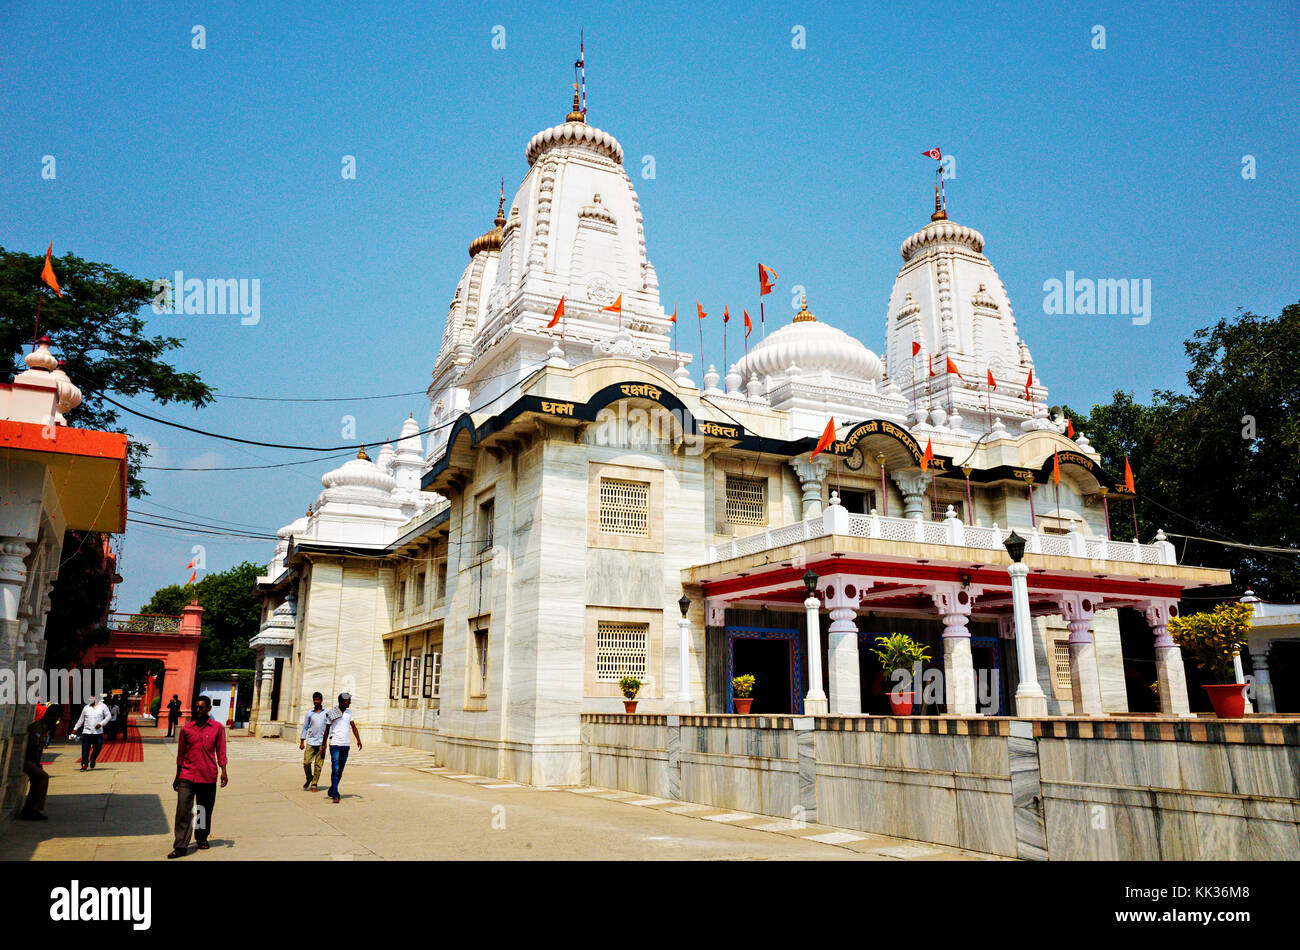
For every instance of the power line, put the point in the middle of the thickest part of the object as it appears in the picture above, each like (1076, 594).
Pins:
(178, 528)
(1262, 548)
(418, 392)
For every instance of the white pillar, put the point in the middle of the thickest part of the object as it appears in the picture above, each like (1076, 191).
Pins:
(841, 593)
(1171, 679)
(811, 472)
(913, 483)
(814, 704)
(684, 665)
(954, 603)
(1264, 701)
(1030, 700)
(1085, 688)
(1239, 676)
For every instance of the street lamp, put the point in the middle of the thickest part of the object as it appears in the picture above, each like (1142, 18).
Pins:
(1030, 700)
(814, 704)
(684, 656)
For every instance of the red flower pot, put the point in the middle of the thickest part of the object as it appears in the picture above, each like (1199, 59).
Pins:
(901, 703)
(1228, 700)
(742, 704)
(629, 705)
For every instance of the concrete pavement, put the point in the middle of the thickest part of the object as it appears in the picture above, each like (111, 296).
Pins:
(397, 804)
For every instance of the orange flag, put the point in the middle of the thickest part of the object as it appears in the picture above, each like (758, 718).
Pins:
(190, 565)
(764, 281)
(749, 327)
(1029, 382)
(827, 438)
(192, 576)
(616, 306)
(916, 347)
(701, 310)
(952, 368)
(929, 361)
(559, 312)
(1128, 477)
(928, 457)
(1056, 468)
(726, 314)
(47, 273)
(673, 319)
(1069, 429)
(993, 383)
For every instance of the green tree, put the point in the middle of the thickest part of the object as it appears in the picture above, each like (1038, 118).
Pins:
(1219, 460)
(96, 329)
(231, 613)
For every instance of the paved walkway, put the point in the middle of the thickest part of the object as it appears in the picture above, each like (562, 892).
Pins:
(398, 805)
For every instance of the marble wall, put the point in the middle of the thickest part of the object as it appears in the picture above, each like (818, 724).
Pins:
(1064, 789)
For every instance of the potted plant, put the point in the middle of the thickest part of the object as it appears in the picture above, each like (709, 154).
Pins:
(1214, 639)
(897, 652)
(630, 686)
(742, 693)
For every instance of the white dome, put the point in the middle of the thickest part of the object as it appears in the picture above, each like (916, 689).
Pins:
(358, 479)
(813, 347)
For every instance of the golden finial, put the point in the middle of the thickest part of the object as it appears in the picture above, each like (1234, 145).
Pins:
(576, 115)
(804, 316)
(361, 454)
(501, 206)
(309, 511)
(939, 213)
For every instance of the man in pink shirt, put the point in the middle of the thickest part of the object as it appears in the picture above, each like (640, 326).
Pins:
(200, 749)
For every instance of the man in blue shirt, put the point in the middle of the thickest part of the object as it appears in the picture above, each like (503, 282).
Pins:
(313, 741)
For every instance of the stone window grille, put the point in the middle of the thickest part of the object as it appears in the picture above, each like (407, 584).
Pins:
(746, 500)
(442, 581)
(624, 507)
(621, 650)
(432, 675)
(401, 596)
(419, 588)
(1061, 664)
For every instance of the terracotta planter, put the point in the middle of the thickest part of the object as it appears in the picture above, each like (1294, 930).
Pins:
(1228, 700)
(901, 703)
(742, 704)
(629, 705)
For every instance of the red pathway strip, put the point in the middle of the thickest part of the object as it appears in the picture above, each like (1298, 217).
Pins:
(127, 749)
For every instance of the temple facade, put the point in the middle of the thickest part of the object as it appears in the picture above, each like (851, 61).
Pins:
(578, 508)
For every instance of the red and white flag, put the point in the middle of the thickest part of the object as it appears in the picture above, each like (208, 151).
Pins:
(934, 153)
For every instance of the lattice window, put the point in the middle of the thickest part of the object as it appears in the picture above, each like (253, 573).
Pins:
(419, 588)
(392, 680)
(432, 675)
(486, 524)
(401, 596)
(939, 506)
(620, 650)
(624, 507)
(746, 500)
(1061, 664)
(481, 658)
(413, 677)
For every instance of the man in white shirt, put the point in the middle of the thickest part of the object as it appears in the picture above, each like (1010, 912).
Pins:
(337, 723)
(91, 726)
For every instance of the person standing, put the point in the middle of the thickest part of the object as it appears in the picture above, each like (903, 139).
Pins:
(110, 728)
(173, 714)
(38, 733)
(200, 749)
(338, 721)
(313, 741)
(91, 726)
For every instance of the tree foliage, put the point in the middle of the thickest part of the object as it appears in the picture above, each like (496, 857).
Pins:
(231, 613)
(97, 330)
(1220, 460)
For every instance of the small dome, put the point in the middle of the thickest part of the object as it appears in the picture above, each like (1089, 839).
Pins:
(813, 347)
(358, 475)
(574, 131)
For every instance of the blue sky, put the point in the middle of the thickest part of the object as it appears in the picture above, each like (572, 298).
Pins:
(1119, 163)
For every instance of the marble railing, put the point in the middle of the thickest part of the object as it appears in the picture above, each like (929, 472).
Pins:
(952, 531)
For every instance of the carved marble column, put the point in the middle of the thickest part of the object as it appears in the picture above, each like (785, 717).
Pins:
(1171, 679)
(811, 472)
(841, 593)
(954, 603)
(1085, 687)
(1264, 701)
(815, 703)
(913, 483)
(13, 575)
(1030, 700)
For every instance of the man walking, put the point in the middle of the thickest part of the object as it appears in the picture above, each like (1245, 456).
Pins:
(338, 720)
(173, 714)
(200, 749)
(38, 733)
(313, 741)
(91, 726)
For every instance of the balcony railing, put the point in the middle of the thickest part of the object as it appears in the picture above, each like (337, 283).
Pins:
(952, 531)
(144, 623)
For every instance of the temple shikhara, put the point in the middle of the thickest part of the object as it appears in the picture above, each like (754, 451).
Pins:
(585, 502)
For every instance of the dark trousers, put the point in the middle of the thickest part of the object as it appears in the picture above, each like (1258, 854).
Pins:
(40, 784)
(338, 761)
(171, 725)
(90, 746)
(187, 794)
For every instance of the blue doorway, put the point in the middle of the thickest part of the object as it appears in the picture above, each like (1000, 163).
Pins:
(775, 657)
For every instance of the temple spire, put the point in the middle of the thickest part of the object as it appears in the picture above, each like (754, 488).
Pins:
(939, 213)
(501, 206)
